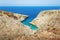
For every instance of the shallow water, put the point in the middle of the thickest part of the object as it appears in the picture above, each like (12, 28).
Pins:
(33, 27)
(31, 11)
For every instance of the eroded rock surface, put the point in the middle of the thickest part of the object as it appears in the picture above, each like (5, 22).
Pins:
(48, 23)
(11, 27)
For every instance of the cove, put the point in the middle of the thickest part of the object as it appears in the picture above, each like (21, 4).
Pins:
(31, 11)
(33, 27)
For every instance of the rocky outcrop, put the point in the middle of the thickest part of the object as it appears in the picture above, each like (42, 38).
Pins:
(47, 19)
(11, 27)
(48, 23)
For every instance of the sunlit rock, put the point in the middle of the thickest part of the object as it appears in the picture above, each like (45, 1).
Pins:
(48, 23)
(11, 27)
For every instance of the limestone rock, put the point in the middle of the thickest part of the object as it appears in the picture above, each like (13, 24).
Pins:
(48, 23)
(48, 19)
(11, 27)
(45, 35)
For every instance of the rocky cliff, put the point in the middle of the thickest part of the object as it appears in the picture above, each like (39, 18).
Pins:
(48, 23)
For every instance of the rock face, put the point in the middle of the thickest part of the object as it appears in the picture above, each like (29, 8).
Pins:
(48, 23)
(11, 27)
(48, 19)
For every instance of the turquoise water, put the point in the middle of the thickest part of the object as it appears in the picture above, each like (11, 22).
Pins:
(33, 27)
(31, 11)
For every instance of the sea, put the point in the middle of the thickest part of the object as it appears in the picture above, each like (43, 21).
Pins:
(31, 11)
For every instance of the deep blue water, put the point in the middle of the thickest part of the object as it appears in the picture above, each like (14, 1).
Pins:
(31, 11)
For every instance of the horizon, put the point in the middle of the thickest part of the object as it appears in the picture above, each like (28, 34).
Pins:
(29, 2)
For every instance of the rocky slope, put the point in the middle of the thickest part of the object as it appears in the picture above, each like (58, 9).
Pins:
(48, 23)
(11, 27)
